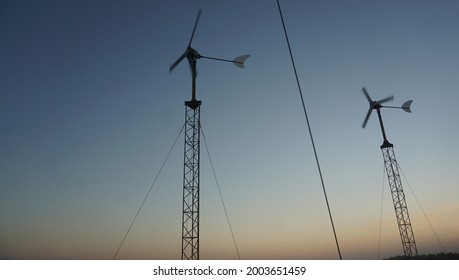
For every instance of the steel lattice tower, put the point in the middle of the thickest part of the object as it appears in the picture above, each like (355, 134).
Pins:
(398, 197)
(190, 216)
(395, 183)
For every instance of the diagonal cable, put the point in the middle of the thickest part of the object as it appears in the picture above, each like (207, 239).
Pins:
(220, 193)
(148, 193)
(381, 212)
(422, 209)
(309, 129)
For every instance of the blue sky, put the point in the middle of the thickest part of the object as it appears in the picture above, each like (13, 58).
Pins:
(88, 111)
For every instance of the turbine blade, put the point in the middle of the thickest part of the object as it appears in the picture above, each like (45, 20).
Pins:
(406, 106)
(177, 62)
(367, 117)
(195, 25)
(367, 95)
(239, 61)
(389, 98)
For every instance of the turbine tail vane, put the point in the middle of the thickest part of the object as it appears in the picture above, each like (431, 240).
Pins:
(239, 61)
(406, 106)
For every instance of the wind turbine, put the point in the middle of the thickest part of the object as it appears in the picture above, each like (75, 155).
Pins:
(192, 55)
(190, 215)
(390, 163)
(376, 105)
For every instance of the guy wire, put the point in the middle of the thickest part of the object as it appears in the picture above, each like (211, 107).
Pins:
(148, 193)
(220, 193)
(309, 129)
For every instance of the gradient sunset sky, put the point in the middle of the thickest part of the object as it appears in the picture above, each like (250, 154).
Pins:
(89, 110)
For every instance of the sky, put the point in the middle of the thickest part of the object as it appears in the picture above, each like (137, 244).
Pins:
(89, 111)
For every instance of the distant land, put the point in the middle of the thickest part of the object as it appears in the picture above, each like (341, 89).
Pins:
(437, 256)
